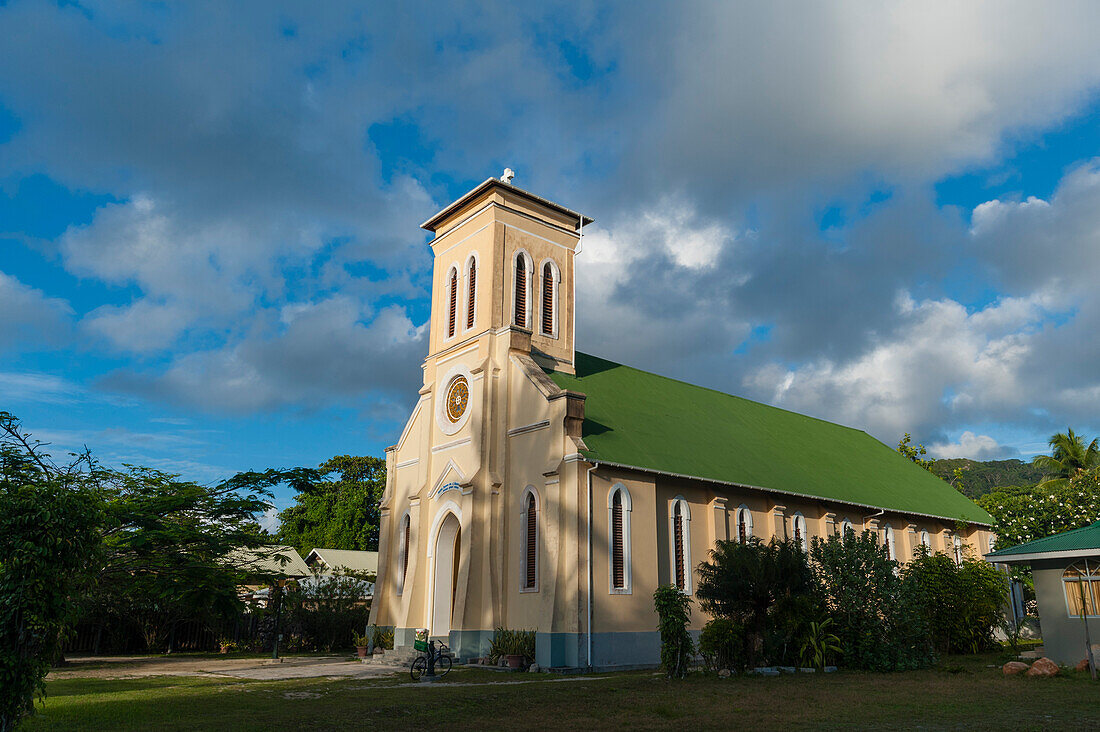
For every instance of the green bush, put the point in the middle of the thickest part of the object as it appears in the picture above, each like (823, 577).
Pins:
(673, 613)
(381, 637)
(722, 645)
(322, 607)
(962, 604)
(762, 587)
(876, 616)
(507, 642)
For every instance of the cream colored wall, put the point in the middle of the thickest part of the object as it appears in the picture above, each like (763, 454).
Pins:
(712, 510)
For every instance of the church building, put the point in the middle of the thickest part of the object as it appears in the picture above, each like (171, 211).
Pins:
(536, 487)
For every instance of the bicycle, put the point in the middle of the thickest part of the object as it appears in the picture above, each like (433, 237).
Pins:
(438, 661)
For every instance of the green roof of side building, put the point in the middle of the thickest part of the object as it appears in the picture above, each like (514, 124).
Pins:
(642, 420)
(1077, 542)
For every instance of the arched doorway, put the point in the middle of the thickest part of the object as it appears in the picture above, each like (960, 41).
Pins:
(445, 574)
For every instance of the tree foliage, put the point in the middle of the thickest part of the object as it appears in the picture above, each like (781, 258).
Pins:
(915, 453)
(1069, 457)
(975, 478)
(176, 550)
(673, 613)
(746, 581)
(961, 603)
(875, 614)
(1025, 514)
(337, 514)
(48, 538)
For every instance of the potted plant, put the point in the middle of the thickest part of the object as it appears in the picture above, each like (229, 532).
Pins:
(361, 643)
(515, 647)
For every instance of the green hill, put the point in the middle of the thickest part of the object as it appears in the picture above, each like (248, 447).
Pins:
(980, 477)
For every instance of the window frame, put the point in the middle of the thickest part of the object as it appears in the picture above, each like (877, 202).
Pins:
(404, 549)
(890, 542)
(626, 589)
(471, 287)
(528, 269)
(743, 512)
(1089, 575)
(450, 315)
(555, 299)
(801, 535)
(847, 525)
(685, 528)
(530, 492)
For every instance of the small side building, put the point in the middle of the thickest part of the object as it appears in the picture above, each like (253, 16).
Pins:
(328, 560)
(1066, 570)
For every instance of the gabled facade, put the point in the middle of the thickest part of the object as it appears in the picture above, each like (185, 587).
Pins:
(535, 487)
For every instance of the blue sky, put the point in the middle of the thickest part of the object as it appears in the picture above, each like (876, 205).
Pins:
(210, 259)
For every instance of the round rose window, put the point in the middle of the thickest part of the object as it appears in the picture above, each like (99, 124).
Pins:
(458, 396)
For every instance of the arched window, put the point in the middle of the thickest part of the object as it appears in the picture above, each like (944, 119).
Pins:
(846, 526)
(798, 525)
(888, 541)
(925, 540)
(406, 529)
(529, 518)
(1081, 582)
(957, 544)
(452, 299)
(992, 543)
(471, 291)
(744, 524)
(549, 299)
(522, 287)
(680, 530)
(618, 520)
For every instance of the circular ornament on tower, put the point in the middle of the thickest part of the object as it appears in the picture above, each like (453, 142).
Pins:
(458, 398)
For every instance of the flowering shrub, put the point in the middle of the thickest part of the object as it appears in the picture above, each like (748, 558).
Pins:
(1025, 514)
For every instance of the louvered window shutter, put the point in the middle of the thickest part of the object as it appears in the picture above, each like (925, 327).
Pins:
(678, 530)
(405, 558)
(548, 299)
(521, 293)
(454, 304)
(473, 295)
(532, 543)
(617, 575)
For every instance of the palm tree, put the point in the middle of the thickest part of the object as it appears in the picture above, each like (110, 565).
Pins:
(1069, 456)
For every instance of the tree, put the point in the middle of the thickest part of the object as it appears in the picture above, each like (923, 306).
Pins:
(177, 550)
(962, 603)
(337, 514)
(48, 538)
(914, 452)
(875, 615)
(1069, 457)
(744, 581)
(1025, 514)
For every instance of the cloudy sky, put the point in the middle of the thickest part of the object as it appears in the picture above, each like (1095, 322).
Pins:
(882, 214)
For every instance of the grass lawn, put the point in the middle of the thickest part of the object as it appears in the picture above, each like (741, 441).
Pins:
(961, 692)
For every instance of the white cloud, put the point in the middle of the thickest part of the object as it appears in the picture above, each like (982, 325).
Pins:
(142, 326)
(970, 445)
(319, 354)
(29, 316)
(941, 365)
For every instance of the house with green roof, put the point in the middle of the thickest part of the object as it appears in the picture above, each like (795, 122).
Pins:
(535, 486)
(1066, 571)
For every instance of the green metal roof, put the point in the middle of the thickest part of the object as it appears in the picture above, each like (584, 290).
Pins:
(1076, 540)
(635, 418)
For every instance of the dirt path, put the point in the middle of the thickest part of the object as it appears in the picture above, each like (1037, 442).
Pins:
(295, 667)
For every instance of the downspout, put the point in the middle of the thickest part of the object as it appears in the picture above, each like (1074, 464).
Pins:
(573, 324)
(590, 583)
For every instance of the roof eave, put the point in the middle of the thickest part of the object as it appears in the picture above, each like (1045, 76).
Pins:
(432, 223)
(597, 462)
(1024, 558)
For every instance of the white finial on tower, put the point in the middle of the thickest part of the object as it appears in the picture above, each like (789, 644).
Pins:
(507, 175)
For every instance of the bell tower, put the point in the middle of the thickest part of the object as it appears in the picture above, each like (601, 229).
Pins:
(504, 264)
(489, 430)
